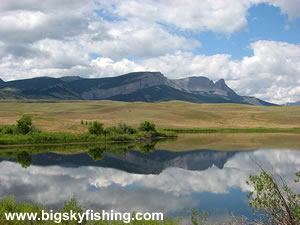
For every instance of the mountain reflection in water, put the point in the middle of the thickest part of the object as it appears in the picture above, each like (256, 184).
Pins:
(171, 182)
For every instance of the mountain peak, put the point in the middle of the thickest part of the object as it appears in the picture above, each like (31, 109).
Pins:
(220, 84)
(1, 81)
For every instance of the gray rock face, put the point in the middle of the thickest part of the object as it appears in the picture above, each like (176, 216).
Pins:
(201, 85)
(150, 79)
(145, 80)
(193, 84)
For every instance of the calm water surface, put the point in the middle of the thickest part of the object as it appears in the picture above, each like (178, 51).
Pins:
(164, 181)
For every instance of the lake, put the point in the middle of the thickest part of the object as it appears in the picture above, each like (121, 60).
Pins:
(160, 179)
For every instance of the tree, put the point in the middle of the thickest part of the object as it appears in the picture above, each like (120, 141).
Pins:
(280, 205)
(147, 126)
(96, 128)
(24, 125)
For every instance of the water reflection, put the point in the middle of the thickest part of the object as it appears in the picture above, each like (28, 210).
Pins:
(171, 182)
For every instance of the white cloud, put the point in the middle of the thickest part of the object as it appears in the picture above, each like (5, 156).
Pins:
(135, 39)
(107, 67)
(289, 7)
(21, 20)
(224, 16)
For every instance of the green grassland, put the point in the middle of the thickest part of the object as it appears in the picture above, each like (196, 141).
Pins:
(66, 115)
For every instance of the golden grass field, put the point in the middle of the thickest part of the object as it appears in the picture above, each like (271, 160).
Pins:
(66, 115)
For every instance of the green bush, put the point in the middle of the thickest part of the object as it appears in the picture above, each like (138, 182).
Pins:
(110, 130)
(96, 128)
(8, 129)
(123, 128)
(147, 126)
(24, 125)
(280, 204)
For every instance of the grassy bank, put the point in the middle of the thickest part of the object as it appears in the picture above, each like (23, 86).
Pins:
(59, 137)
(24, 132)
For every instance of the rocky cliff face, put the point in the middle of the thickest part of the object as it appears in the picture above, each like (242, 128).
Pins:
(143, 80)
(201, 85)
(198, 85)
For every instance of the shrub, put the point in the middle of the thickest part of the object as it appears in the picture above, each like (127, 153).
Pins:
(8, 129)
(280, 205)
(123, 128)
(96, 128)
(35, 129)
(24, 125)
(147, 126)
(110, 130)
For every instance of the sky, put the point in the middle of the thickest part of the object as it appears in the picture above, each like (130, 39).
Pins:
(252, 44)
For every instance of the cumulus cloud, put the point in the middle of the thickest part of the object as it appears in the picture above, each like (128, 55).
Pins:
(225, 16)
(289, 7)
(56, 38)
(136, 39)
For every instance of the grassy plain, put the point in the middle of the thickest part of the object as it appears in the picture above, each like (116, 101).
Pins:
(66, 115)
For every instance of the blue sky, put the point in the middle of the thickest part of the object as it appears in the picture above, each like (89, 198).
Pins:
(265, 22)
(252, 44)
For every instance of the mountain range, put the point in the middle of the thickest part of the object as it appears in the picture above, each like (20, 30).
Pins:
(136, 86)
